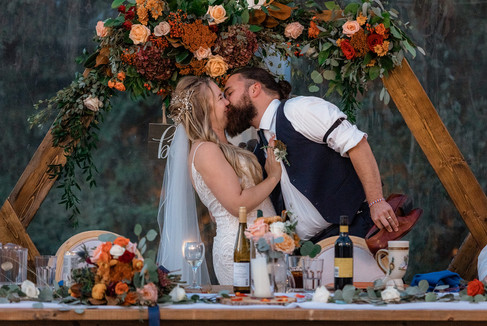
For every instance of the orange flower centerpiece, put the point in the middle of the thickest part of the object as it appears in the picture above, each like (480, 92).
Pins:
(117, 274)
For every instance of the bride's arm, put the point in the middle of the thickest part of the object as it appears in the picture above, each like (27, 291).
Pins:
(223, 182)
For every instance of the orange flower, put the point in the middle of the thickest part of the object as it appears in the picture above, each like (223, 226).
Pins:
(382, 50)
(121, 241)
(380, 29)
(361, 19)
(102, 252)
(111, 84)
(122, 271)
(130, 298)
(137, 265)
(121, 288)
(98, 291)
(121, 76)
(120, 86)
(75, 290)
(313, 30)
(371, 63)
(287, 246)
(475, 287)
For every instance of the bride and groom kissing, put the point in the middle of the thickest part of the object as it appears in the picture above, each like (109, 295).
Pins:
(331, 172)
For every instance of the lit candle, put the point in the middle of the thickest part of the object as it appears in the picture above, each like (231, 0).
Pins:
(260, 277)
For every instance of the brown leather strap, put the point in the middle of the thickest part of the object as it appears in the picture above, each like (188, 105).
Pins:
(333, 127)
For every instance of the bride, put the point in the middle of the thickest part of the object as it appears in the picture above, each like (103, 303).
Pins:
(225, 176)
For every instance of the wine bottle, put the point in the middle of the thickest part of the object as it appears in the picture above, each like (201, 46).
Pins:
(343, 256)
(241, 256)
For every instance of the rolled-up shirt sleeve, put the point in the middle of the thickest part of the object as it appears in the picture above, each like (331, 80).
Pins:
(313, 117)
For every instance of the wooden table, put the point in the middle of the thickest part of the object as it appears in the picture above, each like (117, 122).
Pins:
(247, 316)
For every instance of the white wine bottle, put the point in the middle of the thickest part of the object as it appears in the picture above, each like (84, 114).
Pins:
(241, 256)
(343, 256)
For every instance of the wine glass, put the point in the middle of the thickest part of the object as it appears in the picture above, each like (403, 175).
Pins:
(194, 253)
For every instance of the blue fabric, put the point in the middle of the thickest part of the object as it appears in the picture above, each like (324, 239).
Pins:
(445, 277)
(154, 316)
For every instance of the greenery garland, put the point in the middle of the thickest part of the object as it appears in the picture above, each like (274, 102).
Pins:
(150, 44)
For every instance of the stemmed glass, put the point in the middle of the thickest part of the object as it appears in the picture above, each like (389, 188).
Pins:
(194, 253)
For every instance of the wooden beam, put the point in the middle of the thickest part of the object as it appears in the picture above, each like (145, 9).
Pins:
(463, 263)
(12, 231)
(444, 156)
(35, 183)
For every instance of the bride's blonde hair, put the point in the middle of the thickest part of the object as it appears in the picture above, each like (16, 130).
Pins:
(191, 105)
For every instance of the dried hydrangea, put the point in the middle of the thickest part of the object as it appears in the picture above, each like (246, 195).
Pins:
(237, 46)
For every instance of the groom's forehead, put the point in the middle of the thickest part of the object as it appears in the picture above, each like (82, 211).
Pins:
(235, 81)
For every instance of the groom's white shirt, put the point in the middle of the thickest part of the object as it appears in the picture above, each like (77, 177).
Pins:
(312, 117)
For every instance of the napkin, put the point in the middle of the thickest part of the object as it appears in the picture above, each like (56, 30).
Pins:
(445, 277)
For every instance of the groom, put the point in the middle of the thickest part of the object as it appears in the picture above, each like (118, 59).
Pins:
(332, 169)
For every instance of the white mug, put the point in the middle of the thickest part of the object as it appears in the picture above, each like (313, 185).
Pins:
(394, 261)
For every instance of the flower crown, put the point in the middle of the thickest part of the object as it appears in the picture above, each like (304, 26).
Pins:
(181, 104)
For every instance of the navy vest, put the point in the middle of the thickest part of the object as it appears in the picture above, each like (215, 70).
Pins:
(322, 175)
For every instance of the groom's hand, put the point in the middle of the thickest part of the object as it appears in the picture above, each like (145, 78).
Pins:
(383, 216)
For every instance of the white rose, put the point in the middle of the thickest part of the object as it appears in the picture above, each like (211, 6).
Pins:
(29, 289)
(162, 29)
(93, 103)
(321, 295)
(117, 251)
(390, 294)
(277, 228)
(252, 5)
(177, 294)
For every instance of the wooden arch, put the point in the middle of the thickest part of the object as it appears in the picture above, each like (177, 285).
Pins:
(420, 116)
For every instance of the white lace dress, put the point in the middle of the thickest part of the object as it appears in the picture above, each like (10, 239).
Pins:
(226, 224)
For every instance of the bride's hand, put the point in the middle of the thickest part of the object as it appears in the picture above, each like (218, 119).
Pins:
(272, 166)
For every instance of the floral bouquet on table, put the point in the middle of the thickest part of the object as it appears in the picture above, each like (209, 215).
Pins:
(117, 274)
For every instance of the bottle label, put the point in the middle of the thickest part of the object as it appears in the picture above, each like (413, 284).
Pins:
(343, 228)
(344, 267)
(241, 274)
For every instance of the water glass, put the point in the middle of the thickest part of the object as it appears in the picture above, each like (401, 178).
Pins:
(312, 273)
(13, 264)
(295, 275)
(45, 271)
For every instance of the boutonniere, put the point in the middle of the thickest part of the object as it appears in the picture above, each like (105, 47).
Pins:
(280, 151)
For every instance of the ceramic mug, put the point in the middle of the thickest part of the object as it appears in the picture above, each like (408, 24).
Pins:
(394, 260)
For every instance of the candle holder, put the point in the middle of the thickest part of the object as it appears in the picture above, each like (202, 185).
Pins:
(262, 268)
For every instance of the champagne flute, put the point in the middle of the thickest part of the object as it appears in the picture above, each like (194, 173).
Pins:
(194, 253)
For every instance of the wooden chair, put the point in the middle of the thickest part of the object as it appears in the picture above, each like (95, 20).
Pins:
(365, 267)
(76, 243)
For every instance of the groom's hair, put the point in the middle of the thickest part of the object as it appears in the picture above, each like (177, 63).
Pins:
(281, 88)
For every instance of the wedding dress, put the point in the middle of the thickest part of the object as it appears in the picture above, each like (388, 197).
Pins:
(226, 224)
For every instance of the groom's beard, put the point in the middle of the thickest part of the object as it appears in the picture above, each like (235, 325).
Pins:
(239, 117)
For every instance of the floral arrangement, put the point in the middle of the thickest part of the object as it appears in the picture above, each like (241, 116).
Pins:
(281, 233)
(150, 44)
(117, 274)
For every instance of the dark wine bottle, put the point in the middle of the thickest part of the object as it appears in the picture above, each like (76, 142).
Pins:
(343, 256)
(241, 256)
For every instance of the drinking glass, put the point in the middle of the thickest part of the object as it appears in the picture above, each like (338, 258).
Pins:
(312, 273)
(194, 253)
(295, 276)
(45, 271)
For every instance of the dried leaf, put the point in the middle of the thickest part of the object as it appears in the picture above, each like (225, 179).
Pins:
(283, 13)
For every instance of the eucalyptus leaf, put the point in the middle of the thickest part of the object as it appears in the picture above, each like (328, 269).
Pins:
(329, 74)
(316, 77)
(365, 7)
(330, 5)
(409, 48)
(430, 297)
(4, 300)
(138, 229)
(79, 311)
(313, 88)
(382, 92)
(279, 240)
(338, 295)
(151, 235)
(423, 285)
(315, 251)
(45, 295)
(151, 254)
(479, 298)
(142, 242)
(371, 293)
(107, 237)
(387, 98)
(352, 8)
(374, 72)
(117, 3)
(395, 32)
(421, 50)
(305, 49)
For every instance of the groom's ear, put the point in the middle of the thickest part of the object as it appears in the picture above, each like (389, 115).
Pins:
(255, 89)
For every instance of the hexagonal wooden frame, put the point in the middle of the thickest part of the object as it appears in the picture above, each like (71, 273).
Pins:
(420, 116)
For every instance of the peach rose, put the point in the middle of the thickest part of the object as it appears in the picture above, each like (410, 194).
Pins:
(98, 291)
(92, 103)
(293, 30)
(130, 298)
(256, 230)
(162, 29)
(216, 66)
(217, 13)
(148, 293)
(101, 253)
(139, 33)
(121, 241)
(287, 246)
(101, 30)
(350, 27)
(202, 53)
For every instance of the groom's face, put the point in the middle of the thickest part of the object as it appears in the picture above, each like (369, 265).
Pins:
(241, 110)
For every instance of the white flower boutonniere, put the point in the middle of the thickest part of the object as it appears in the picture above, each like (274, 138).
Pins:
(280, 151)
